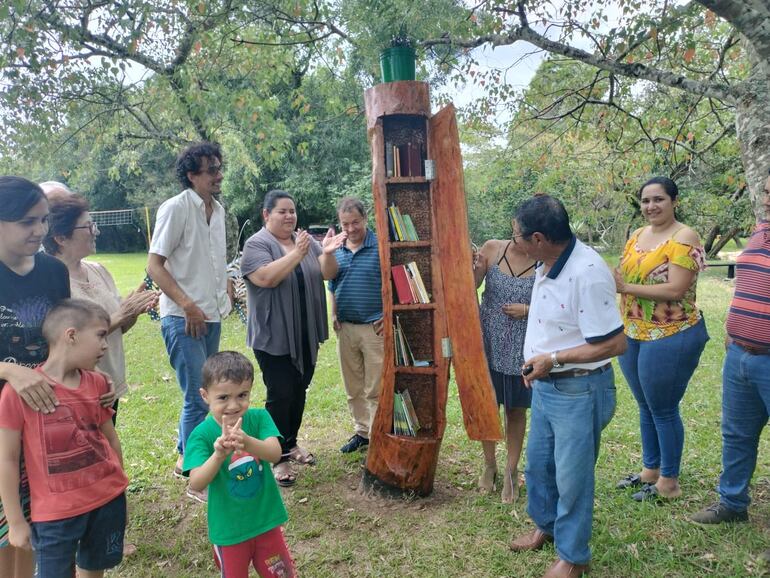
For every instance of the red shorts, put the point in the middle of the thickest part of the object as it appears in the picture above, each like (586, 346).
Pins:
(267, 552)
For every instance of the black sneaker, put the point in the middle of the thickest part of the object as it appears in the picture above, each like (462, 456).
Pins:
(718, 513)
(354, 443)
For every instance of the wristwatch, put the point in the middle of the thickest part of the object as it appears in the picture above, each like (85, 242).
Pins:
(555, 362)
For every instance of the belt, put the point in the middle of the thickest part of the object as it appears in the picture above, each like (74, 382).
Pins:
(578, 372)
(751, 349)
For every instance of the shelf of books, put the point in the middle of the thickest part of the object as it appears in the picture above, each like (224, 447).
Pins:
(410, 420)
(411, 212)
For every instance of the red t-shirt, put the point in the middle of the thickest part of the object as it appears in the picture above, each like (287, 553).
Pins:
(72, 468)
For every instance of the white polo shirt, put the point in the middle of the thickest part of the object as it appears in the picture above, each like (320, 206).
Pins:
(573, 304)
(195, 252)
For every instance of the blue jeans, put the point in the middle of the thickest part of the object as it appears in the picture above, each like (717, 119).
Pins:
(657, 373)
(745, 407)
(187, 356)
(568, 416)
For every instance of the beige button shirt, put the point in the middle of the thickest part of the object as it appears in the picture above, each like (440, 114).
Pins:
(195, 253)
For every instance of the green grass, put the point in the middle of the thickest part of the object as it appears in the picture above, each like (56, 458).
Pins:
(333, 531)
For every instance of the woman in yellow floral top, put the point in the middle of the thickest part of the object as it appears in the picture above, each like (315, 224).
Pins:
(666, 333)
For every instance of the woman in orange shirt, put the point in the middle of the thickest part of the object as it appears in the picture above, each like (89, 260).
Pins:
(665, 330)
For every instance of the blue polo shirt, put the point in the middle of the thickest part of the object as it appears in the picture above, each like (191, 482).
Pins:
(357, 287)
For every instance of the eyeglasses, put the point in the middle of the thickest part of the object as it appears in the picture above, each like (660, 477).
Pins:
(92, 227)
(515, 236)
(214, 170)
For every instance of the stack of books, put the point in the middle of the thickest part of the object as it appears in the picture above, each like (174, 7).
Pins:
(404, 160)
(401, 226)
(402, 350)
(408, 283)
(405, 422)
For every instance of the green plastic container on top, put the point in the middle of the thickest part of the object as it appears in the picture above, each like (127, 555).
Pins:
(397, 63)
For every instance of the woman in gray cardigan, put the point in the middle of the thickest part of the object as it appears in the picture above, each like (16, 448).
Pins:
(287, 321)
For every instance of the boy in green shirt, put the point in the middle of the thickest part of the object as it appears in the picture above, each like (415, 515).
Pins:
(230, 453)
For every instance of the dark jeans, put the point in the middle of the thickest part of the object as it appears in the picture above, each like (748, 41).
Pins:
(286, 391)
(657, 373)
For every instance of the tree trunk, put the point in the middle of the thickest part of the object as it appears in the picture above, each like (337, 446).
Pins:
(752, 122)
(709, 242)
(723, 240)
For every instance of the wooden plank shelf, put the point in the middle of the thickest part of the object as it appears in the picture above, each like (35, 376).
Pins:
(410, 244)
(405, 180)
(413, 306)
(429, 370)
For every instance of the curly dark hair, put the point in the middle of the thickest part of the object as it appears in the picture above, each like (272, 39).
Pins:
(189, 160)
(64, 212)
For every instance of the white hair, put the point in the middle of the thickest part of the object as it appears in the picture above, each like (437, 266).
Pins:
(50, 187)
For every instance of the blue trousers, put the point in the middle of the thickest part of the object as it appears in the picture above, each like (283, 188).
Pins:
(567, 418)
(657, 373)
(745, 407)
(187, 356)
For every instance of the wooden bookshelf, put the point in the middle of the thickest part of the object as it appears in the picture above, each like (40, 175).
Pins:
(398, 115)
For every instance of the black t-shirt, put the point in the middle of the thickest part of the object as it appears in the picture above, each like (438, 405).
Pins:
(24, 303)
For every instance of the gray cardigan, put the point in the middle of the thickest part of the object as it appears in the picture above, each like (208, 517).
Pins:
(274, 318)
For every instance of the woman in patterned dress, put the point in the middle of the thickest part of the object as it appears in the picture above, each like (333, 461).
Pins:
(666, 333)
(509, 276)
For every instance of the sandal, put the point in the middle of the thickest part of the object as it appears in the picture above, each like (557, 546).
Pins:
(284, 475)
(301, 456)
(488, 479)
(630, 481)
(510, 485)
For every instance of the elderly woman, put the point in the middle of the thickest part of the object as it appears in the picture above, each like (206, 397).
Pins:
(72, 237)
(509, 276)
(287, 321)
(30, 284)
(666, 333)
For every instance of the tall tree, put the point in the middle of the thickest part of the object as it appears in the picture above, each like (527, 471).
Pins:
(657, 41)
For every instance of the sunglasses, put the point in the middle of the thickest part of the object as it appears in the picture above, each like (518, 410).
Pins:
(214, 170)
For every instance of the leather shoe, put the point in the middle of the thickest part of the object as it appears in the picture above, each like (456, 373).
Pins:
(532, 541)
(563, 569)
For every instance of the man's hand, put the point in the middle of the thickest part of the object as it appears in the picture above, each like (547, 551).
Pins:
(332, 242)
(336, 324)
(19, 535)
(32, 387)
(541, 366)
(194, 321)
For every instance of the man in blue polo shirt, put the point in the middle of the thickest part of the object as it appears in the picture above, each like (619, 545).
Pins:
(356, 297)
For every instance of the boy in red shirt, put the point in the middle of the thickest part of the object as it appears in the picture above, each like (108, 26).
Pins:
(73, 455)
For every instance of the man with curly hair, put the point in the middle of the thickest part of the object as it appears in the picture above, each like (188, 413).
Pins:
(188, 262)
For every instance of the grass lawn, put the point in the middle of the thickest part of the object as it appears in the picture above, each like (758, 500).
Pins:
(333, 531)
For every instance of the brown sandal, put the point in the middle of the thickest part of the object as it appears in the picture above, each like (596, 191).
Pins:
(284, 475)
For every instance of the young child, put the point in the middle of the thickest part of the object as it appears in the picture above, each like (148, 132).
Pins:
(230, 453)
(73, 456)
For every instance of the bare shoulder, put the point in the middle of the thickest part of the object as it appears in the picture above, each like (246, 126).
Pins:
(688, 236)
(492, 247)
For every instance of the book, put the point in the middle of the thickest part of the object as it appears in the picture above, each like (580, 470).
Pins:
(410, 411)
(415, 160)
(401, 424)
(394, 215)
(401, 282)
(411, 231)
(420, 291)
(389, 167)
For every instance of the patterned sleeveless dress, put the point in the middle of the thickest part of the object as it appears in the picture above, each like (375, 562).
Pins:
(504, 336)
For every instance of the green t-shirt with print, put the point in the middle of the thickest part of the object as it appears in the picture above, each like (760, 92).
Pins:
(244, 500)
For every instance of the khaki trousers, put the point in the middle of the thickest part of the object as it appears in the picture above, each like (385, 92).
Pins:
(360, 351)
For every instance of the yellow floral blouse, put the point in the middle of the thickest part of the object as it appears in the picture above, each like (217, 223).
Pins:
(647, 319)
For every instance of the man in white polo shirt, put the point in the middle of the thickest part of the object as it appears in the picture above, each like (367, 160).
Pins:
(573, 330)
(188, 262)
